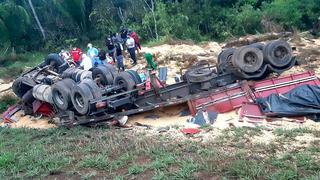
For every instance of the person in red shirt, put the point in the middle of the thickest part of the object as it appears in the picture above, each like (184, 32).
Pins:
(76, 54)
(136, 40)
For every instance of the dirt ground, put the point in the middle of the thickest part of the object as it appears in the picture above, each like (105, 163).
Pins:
(182, 56)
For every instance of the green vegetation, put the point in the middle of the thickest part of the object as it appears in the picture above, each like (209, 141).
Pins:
(86, 153)
(12, 66)
(6, 101)
(66, 22)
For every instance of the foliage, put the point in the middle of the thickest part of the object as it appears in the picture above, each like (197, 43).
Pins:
(92, 20)
(6, 101)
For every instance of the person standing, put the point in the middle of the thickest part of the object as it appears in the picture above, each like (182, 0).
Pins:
(93, 55)
(131, 49)
(136, 40)
(111, 49)
(119, 56)
(76, 55)
(86, 62)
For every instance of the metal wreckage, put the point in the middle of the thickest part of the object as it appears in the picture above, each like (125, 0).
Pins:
(79, 97)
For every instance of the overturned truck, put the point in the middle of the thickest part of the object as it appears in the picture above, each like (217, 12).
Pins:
(84, 97)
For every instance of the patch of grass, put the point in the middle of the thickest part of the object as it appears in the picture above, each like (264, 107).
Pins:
(160, 175)
(236, 134)
(247, 169)
(99, 161)
(6, 101)
(86, 153)
(284, 175)
(292, 133)
(188, 167)
(12, 66)
(135, 169)
(163, 161)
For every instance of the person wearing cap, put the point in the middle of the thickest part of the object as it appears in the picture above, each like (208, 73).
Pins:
(93, 54)
(131, 49)
(76, 55)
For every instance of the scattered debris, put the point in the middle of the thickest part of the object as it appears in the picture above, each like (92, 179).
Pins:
(190, 131)
(204, 118)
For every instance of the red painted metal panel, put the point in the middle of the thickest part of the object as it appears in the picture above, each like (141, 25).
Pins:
(284, 84)
(251, 112)
(222, 100)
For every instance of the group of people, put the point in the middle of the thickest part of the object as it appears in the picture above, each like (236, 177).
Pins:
(115, 45)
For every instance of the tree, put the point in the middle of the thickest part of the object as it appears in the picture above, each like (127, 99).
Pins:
(37, 19)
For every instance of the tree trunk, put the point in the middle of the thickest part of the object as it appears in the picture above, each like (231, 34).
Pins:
(154, 16)
(37, 19)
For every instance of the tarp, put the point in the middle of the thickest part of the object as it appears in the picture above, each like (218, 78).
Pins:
(301, 101)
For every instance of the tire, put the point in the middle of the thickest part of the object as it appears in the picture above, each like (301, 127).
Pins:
(224, 60)
(61, 93)
(22, 85)
(63, 67)
(94, 88)
(28, 98)
(200, 75)
(111, 69)
(55, 61)
(78, 75)
(248, 59)
(80, 97)
(68, 73)
(225, 55)
(86, 75)
(124, 79)
(104, 75)
(257, 45)
(74, 74)
(135, 76)
(278, 53)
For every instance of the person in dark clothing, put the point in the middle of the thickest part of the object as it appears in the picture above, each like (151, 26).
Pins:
(119, 56)
(111, 48)
(102, 56)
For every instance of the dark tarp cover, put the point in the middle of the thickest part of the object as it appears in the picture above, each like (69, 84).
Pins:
(301, 101)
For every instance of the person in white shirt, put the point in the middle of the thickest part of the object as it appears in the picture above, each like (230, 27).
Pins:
(86, 62)
(131, 49)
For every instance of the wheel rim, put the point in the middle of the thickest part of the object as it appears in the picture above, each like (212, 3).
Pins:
(280, 52)
(122, 84)
(79, 100)
(250, 62)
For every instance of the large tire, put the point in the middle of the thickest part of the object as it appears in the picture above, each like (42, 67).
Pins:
(80, 97)
(68, 73)
(61, 93)
(94, 88)
(135, 76)
(278, 53)
(22, 85)
(248, 59)
(224, 60)
(200, 75)
(103, 74)
(125, 80)
(55, 61)
(111, 69)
